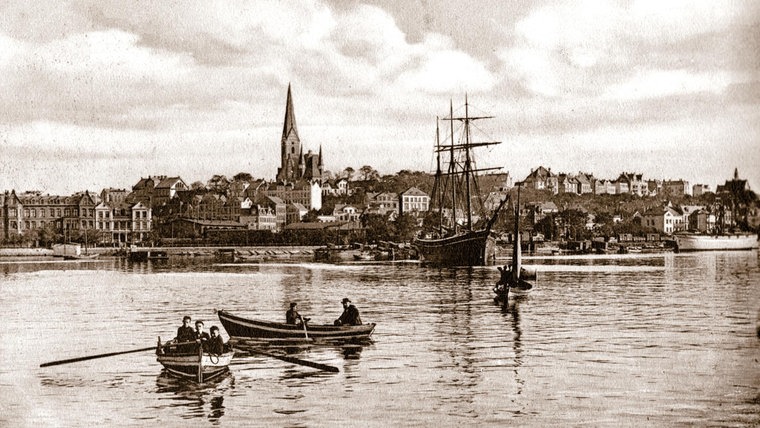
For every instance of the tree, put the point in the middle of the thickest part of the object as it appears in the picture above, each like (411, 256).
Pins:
(311, 216)
(368, 173)
(243, 176)
(218, 184)
(198, 185)
(377, 228)
(406, 227)
(348, 173)
(49, 235)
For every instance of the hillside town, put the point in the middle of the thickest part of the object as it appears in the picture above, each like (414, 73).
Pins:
(306, 204)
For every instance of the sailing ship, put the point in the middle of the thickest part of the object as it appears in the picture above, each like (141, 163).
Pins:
(454, 242)
(514, 280)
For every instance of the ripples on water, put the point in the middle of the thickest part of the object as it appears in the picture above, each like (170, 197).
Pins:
(625, 340)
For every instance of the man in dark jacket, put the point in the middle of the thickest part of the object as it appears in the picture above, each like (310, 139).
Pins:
(215, 345)
(185, 333)
(201, 337)
(350, 315)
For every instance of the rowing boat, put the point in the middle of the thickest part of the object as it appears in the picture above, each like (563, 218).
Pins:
(244, 328)
(200, 366)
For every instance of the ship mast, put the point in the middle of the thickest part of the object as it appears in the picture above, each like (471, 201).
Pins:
(439, 191)
(467, 165)
(452, 169)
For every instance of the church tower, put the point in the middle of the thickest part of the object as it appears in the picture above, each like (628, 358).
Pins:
(291, 153)
(295, 165)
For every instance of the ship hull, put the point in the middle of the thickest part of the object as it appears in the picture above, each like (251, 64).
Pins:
(739, 241)
(475, 248)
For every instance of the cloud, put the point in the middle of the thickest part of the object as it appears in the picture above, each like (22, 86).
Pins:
(592, 48)
(659, 83)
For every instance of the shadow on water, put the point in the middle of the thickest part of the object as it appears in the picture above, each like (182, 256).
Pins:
(204, 400)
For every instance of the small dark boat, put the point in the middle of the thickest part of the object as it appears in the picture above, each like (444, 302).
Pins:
(513, 279)
(238, 327)
(199, 366)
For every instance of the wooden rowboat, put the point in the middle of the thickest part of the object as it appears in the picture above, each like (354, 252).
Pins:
(199, 366)
(238, 327)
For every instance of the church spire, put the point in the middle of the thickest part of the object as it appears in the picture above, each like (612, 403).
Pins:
(289, 124)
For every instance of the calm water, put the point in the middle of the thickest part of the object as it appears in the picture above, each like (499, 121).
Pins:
(616, 341)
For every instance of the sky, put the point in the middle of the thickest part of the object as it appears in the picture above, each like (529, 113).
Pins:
(100, 93)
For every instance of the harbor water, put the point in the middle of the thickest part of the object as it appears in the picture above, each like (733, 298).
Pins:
(623, 340)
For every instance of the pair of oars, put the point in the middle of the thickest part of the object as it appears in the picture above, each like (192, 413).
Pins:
(291, 360)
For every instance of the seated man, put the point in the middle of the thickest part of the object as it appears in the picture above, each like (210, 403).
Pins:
(185, 333)
(215, 344)
(200, 335)
(350, 315)
(292, 316)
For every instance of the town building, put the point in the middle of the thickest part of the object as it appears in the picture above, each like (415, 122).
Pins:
(699, 189)
(542, 179)
(665, 220)
(122, 223)
(30, 211)
(413, 200)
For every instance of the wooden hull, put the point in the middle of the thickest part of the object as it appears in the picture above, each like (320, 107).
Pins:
(238, 327)
(739, 241)
(474, 248)
(187, 365)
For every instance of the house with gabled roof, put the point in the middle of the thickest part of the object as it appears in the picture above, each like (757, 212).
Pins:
(542, 179)
(295, 212)
(665, 219)
(585, 183)
(413, 200)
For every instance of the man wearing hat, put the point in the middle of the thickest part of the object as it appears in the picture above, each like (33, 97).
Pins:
(350, 315)
(292, 316)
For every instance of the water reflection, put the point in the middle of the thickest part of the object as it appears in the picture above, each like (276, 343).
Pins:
(511, 312)
(204, 400)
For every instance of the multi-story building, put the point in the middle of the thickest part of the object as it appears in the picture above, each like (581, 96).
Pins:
(542, 179)
(260, 217)
(585, 183)
(676, 187)
(306, 193)
(604, 187)
(123, 223)
(665, 220)
(382, 203)
(67, 215)
(413, 200)
(699, 189)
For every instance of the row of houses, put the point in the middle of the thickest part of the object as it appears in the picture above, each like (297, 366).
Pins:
(167, 207)
(626, 183)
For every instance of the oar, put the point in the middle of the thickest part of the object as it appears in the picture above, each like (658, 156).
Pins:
(293, 360)
(110, 354)
(304, 328)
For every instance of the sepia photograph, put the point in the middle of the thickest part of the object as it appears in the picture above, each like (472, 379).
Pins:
(380, 213)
